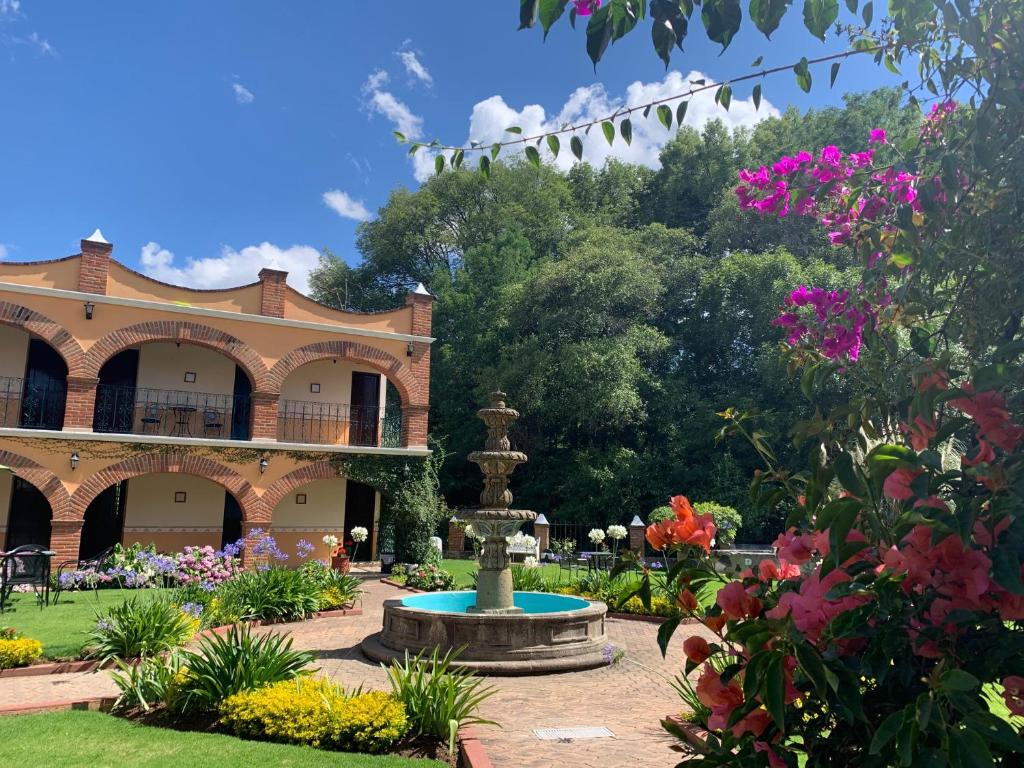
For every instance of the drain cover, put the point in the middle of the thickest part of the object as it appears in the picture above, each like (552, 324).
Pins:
(568, 734)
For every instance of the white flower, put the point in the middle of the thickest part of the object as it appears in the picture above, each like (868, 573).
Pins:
(330, 540)
(523, 540)
(359, 534)
(596, 535)
(468, 531)
(617, 532)
(530, 562)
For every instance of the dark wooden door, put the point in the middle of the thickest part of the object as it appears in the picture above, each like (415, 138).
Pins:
(29, 519)
(104, 521)
(359, 504)
(365, 408)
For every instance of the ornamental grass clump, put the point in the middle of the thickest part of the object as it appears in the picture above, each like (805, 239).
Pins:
(138, 628)
(236, 661)
(438, 698)
(274, 594)
(317, 713)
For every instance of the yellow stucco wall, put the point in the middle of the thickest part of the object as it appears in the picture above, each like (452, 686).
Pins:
(122, 281)
(152, 515)
(61, 273)
(323, 513)
(13, 358)
(6, 482)
(163, 366)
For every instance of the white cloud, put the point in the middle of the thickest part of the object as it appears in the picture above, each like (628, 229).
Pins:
(9, 7)
(414, 67)
(4, 251)
(345, 206)
(387, 104)
(242, 94)
(490, 118)
(232, 267)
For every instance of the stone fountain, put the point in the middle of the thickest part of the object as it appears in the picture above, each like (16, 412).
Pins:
(495, 520)
(495, 629)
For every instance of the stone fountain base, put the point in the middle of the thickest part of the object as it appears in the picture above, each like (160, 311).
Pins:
(495, 644)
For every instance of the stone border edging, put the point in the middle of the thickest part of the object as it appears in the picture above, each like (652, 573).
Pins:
(90, 665)
(471, 750)
(391, 583)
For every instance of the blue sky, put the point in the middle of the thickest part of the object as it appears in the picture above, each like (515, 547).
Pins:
(210, 139)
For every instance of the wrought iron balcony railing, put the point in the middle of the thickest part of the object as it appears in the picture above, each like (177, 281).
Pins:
(32, 405)
(301, 421)
(173, 413)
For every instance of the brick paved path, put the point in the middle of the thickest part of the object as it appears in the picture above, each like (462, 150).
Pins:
(629, 698)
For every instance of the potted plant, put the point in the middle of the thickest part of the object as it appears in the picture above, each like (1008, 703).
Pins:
(339, 557)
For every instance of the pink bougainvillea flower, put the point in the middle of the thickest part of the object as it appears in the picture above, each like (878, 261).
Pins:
(877, 136)
(720, 699)
(809, 607)
(769, 570)
(921, 432)
(793, 547)
(1013, 694)
(984, 454)
(687, 601)
(897, 484)
(988, 410)
(736, 602)
(586, 7)
(934, 380)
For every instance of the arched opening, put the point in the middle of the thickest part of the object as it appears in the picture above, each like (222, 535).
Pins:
(170, 510)
(173, 389)
(334, 401)
(332, 505)
(33, 381)
(26, 512)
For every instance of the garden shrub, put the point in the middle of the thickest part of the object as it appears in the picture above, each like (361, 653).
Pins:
(19, 651)
(138, 628)
(318, 713)
(236, 661)
(274, 594)
(430, 578)
(659, 514)
(438, 698)
(727, 521)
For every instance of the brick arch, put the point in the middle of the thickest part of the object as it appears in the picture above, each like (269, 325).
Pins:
(389, 365)
(178, 331)
(58, 337)
(43, 479)
(253, 509)
(321, 470)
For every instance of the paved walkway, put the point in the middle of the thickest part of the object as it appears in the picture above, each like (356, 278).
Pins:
(629, 698)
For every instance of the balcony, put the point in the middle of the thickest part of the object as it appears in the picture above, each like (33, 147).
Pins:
(32, 405)
(301, 421)
(171, 413)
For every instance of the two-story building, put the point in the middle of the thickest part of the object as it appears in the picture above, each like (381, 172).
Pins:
(133, 410)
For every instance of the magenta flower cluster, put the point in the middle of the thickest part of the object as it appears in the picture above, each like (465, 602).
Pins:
(586, 7)
(827, 320)
(205, 566)
(934, 122)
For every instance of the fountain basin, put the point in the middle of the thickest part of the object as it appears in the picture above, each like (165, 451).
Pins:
(554, 633)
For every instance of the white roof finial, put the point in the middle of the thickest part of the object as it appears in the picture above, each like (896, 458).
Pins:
(421, 289)
(97, 237)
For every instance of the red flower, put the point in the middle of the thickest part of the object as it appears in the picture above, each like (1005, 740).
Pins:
(687, 601)
(921, 432)
(688, 529)
(696, 649)
(988, 409)
(1013, 694)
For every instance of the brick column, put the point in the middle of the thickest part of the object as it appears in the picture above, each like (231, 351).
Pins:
(65, 538)
(264, 415)
(637, 530)
(247, 545)
(80, 404)
(542, 532)
(456, 538)
(414, 426)
(272, 290)
(92, 271)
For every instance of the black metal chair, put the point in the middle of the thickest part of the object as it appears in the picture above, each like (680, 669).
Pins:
(70, 566)
(27, 565)
(152, 416)
(213, 423)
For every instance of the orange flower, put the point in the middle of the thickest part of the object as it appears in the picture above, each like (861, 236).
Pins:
(696, 649)
(715, 623)
(688, 529)
(687, 601)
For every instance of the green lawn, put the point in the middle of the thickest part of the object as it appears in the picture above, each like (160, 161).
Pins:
(62, 628)
(96, 740)
(463, 571)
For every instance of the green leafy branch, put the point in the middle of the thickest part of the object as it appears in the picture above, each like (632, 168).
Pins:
(624, 129)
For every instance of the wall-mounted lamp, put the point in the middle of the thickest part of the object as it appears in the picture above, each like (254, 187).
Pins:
(409, 349)
(89, 307)
(264, 464)
(74, 460)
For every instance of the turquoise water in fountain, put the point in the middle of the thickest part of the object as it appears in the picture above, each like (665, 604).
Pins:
(460, 602)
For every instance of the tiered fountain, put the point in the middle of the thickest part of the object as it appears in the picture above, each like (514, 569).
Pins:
(500, 631)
